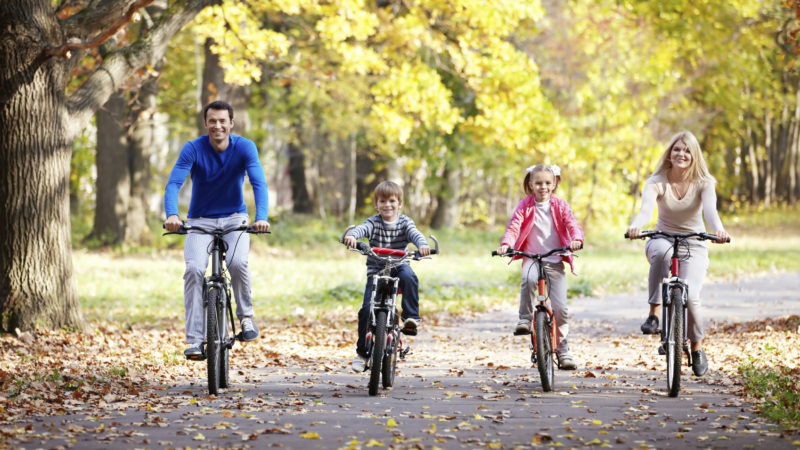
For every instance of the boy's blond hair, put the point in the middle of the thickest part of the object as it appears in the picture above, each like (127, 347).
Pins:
(386, 189)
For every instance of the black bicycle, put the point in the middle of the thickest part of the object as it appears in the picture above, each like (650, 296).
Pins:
(674, 296)
(543, 333)
(383, 341)
(220, 326)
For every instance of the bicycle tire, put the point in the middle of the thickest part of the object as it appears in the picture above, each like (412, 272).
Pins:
(544, 350)
(674, 350)
(212, 341)
(224, 363)
(390, 361)
(379, 339)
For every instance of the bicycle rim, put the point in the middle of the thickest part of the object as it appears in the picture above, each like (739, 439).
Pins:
(224, 363)
(212, 342)
(544, 350)
(379, 339)
(674, 343)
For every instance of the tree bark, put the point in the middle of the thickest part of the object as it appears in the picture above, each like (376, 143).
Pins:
(142, 145)
(447, 211)
(38, 123)
(301, 201)
(113, 177)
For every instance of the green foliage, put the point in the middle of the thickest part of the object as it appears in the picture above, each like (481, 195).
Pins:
(779, 391)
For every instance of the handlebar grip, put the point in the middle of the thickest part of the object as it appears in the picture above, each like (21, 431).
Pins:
(494, 252)
(627, 236)
(362, 247)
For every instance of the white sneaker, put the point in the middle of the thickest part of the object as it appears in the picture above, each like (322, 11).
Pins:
(411, 323)
(359, 363)
(249, 329)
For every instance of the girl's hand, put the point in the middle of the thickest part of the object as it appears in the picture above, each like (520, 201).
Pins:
(723, 237)
(575, 245)
(502, 249)
(350, 241)
(633, 233)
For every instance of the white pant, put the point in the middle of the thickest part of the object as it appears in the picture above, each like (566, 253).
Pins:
(196, 249)
(692, 268)
(557, 289)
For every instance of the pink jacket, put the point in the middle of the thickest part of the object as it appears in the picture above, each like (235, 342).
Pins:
(521, 224)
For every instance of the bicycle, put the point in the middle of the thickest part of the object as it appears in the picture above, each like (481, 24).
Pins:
(674, 296)
(543, 333)
(220, 326)
(383, 341)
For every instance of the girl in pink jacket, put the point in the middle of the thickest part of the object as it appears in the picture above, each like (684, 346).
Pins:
(541, 223)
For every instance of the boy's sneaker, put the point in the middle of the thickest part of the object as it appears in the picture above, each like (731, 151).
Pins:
(194, 351)
(411, 324)
(565, 362)
(650, 326)
(523, 327)
(359, 363)
(249, 329)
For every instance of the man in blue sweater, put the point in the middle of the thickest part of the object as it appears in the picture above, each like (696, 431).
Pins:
(217, 163)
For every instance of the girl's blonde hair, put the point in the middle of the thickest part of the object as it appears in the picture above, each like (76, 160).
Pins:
(698, 169)
(540, 168)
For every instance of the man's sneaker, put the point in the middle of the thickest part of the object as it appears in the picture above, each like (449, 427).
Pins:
(523, 327)
(650, 326)
(194, 351)
(249, 329)
(359, 363)
(699, 363)
(565, 362)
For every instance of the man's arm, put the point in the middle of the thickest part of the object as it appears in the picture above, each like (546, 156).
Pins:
(255, 173)
(176, 179)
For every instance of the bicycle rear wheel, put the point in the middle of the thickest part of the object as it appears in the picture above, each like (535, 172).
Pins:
(224, 315)
(379, 340)
(544, 350)
(390, 359)
(213, 347)
(674, 350)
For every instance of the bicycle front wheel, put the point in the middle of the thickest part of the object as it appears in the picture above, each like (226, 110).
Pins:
(544, 350)
(222, 319)
(213, 344)
(674, 350)
(390, 359)
(379, 340)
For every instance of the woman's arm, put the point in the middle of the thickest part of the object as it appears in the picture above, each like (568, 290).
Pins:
(709, 198)
(649, 196)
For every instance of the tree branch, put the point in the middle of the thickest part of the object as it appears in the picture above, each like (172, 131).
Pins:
(120, 65)
(97, 19)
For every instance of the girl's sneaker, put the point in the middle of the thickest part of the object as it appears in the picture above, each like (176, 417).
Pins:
(565, 362)
(359, 363)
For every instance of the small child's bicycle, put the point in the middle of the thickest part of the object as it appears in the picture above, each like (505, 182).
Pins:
(674, 296)
(220, 327)
(543, 333)
(383, 340)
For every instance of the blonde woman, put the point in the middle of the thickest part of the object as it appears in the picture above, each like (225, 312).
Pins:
(683, 189)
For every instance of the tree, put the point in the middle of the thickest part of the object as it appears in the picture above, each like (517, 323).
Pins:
(40, 116)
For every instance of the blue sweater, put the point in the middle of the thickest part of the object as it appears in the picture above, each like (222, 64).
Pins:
(217, 179)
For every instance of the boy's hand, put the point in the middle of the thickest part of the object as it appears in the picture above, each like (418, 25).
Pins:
(350, 241)
(575, 245)
(424, 250)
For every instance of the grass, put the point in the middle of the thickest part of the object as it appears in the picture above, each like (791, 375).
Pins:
(779, 392)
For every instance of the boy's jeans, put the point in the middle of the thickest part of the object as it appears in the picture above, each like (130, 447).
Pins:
(408, 284)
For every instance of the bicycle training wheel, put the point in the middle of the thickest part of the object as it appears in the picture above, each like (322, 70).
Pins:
(390, 360)
(544, 350)
(223, 317)
(378, 347)
(213, 347)
(674, 348)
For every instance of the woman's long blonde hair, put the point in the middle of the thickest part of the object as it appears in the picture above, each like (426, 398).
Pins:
(698, 169)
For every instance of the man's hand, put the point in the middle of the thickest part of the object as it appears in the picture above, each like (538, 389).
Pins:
(350, 241)
(260, 225)
(173, 223)
(424, 250)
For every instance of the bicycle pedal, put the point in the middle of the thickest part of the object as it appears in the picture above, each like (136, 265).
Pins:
(402, 353)
(409, 331)
(522, 333)
(661, 350)
(196, 357)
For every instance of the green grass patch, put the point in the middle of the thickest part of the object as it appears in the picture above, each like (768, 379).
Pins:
(778, 390)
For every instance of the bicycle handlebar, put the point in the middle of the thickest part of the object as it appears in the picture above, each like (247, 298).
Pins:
(702, 235)
(184, 229)
(512, 252)
(385, 253)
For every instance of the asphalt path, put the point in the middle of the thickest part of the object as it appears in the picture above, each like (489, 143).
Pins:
(467, 383)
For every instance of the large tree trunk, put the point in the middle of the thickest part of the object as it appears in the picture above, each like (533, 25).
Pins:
(301, 200)
(37, 286)
(447, 211)
(113, 177)
(142, 142)
(37, 125)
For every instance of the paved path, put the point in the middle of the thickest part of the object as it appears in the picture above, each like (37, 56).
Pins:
(468, 384)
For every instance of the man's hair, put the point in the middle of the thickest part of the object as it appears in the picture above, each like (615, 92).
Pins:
(387, 189)
(218, 104)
